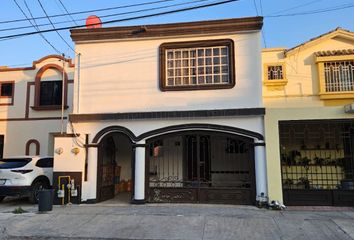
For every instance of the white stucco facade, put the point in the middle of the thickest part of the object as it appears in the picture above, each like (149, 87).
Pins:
(20, 121)
(117, 90)
(122, 70)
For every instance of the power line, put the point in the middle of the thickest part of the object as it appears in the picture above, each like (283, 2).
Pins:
(34, 25)
(90, 11)
(61, 10)
(255, 6)
(125, 19)
(263, 29)
(112, 15)
(261, 7)
(340, 7)
(264, 39)
(45, 12)
(295, 7)
(66, 10)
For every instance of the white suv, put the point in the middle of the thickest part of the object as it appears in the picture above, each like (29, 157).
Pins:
(25, 176)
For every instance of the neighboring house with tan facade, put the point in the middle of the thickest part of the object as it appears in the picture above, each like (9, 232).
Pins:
(30, 105)
(167, 113)
(308, 92)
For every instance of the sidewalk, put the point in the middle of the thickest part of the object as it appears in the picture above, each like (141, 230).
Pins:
(174, 221)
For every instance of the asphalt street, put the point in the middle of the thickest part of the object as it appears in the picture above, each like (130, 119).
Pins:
(174, 221)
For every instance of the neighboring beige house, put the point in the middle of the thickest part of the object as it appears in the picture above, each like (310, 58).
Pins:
(30, 105)
(308, 92)
(166, 113)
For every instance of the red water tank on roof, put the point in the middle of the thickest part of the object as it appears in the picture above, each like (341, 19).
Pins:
(93, 22)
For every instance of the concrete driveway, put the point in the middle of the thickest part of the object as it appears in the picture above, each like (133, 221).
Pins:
(173, 221)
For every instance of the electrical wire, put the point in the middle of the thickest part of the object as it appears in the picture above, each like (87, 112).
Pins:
(89, 11)
(111, 15)
(261, 7)
(77, 140)
(66, 10)
(125, 19)
(262, 31)
(255, 6)
(61, 37)
(340, 7)
(62, 11)
(295, 7)
(34, 25)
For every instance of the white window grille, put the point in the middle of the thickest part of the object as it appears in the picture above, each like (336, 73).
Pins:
(197, 66)
(339, 76)
(275, 72)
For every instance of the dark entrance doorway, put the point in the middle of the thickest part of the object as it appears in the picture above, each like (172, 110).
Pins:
(114, 168)
(201, 166)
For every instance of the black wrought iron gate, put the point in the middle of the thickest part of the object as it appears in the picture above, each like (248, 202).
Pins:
(317, 160)
(205, 167)
(105, 170)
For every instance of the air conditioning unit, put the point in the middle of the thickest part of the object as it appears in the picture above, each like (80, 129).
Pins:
(349, 108)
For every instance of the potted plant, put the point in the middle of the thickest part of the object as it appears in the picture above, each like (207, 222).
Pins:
(304, 182)
(288, 182)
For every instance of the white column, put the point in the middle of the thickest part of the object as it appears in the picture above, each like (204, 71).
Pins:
(89, 188)
(139, 182)
(261, 168)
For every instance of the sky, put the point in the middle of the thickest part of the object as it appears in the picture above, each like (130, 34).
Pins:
(287, 23)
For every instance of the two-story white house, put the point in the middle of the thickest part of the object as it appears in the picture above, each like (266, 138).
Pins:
(30, 105)
(167, 113)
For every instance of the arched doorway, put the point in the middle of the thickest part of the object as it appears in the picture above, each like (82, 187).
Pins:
(201, 166)
(114, 168)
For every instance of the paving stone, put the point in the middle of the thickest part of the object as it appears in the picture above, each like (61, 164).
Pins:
(174, 221)
(103, 226)
(347, 225)
(228, 228)
(169, 227)
(309, 229)
(47, 225)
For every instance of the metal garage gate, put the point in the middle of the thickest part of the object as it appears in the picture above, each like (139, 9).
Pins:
(201, 167)
(317, 162)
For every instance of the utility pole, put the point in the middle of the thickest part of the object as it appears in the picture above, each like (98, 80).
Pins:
(62, 96)
(78, 83)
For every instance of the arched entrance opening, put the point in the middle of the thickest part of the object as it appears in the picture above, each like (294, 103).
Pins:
(114, 168)
(200, 166)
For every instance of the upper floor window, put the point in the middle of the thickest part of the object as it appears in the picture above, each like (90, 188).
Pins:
(7, 93)
(274, 74)
(50, 93)
(339, 76)
(197, 65)
(6, 89)
(48, 89)
(336, 74)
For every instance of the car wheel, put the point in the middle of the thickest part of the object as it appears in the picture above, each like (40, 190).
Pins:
(2, 198)
(36, 187)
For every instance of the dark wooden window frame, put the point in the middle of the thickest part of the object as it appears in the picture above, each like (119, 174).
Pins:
(37, 87)
(204, 43)
(54, 97)
(12, 94)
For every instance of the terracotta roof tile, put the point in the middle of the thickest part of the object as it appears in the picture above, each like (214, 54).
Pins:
(334, 53)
